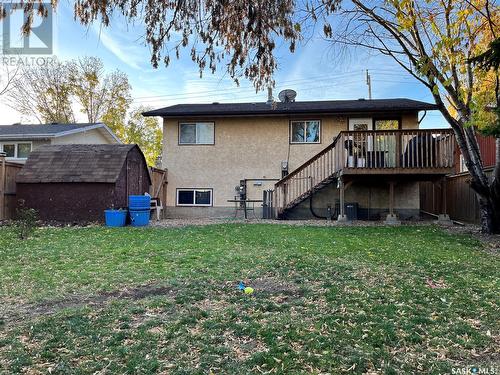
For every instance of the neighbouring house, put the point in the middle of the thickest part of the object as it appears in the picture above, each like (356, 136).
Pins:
(319, 158)
(76, 183)
(18, 140)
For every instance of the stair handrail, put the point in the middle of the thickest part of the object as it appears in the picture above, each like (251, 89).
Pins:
(309, 162)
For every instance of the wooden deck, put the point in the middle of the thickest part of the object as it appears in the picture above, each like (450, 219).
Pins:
(393, 154)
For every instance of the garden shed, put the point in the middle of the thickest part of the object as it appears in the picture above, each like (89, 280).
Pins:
(76, 183)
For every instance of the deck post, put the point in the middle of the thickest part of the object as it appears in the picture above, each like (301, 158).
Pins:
(342, 216)
(443, 217)
(391, 219)
(2, 185)
(391, 198)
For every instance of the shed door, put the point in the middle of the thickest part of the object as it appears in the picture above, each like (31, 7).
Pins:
(133, 177)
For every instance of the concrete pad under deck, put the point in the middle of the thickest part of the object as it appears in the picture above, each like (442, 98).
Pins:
(392, 220)
(444, 220)
(342, 219)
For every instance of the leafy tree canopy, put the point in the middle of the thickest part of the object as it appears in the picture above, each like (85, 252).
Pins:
(237, 34)
(145, 132)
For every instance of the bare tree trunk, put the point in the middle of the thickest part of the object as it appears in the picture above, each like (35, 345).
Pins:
(487, 190)
(489, 197)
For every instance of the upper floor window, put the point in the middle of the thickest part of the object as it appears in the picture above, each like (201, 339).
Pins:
(305, 131)
(16, 150)
(196, 133)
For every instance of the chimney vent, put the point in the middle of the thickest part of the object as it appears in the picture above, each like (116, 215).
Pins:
(270, 98)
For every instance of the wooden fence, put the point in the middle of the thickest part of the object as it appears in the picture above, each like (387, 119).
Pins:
(8, 201)
(461, 201)
(159, 185)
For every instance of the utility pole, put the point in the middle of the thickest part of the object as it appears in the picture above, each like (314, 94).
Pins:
(369, 83)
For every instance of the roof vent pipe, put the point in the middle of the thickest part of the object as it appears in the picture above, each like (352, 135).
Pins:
(270, 99)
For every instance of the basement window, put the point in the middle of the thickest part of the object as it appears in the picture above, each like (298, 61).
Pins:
(199, 133)
(305, 131)
(194, 197)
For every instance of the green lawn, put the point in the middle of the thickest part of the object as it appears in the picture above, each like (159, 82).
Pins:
(327, 300)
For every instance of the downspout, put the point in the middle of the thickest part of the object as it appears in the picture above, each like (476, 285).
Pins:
(419, 121)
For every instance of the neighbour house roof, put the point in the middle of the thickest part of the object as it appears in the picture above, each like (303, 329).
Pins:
(44, 131)
(75, 163)
(293, 108)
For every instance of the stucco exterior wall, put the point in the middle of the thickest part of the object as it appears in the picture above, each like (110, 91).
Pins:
(245, 148)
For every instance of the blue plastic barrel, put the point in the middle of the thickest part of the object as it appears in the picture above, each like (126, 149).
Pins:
(139, 218)
(115, 218)
(139, 202)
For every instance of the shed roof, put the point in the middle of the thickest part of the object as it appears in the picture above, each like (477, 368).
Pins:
(291, 108)
(75, 163)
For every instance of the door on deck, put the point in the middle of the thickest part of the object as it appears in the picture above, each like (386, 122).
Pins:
(359, 145)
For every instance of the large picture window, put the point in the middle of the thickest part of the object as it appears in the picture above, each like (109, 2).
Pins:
(194, 197)
(305, 131)
(196, 133)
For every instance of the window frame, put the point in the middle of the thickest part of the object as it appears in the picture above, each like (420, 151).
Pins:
(387, 118)
(194, 190)
(290, 132)
(16, 148)
(179, 125)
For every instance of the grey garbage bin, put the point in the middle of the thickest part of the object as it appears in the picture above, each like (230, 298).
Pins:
(351, 211)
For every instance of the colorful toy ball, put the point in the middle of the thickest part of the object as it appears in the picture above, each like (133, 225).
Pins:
(248, 290)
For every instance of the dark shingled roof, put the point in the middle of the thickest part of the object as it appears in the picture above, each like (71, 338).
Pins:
(43, 129)
(74, 163)
(312, 107)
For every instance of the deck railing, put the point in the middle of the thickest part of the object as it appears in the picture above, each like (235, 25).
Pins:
(381, 151)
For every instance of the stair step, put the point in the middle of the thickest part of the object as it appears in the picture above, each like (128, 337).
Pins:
(307, 194)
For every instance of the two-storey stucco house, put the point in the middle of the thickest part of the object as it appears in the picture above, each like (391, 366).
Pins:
(317, 157)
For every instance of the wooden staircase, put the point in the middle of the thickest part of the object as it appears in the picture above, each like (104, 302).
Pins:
(312, 176)
(387, 152)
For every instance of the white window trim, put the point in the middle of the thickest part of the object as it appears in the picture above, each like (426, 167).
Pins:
(16, 145)
(367, 120)
(305, 142)
(194, 190)
(195, 123)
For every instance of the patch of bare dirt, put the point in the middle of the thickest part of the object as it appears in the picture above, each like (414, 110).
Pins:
(274, 286)
(14, 312)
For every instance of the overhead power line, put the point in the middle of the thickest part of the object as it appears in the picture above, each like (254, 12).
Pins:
(319, 78)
